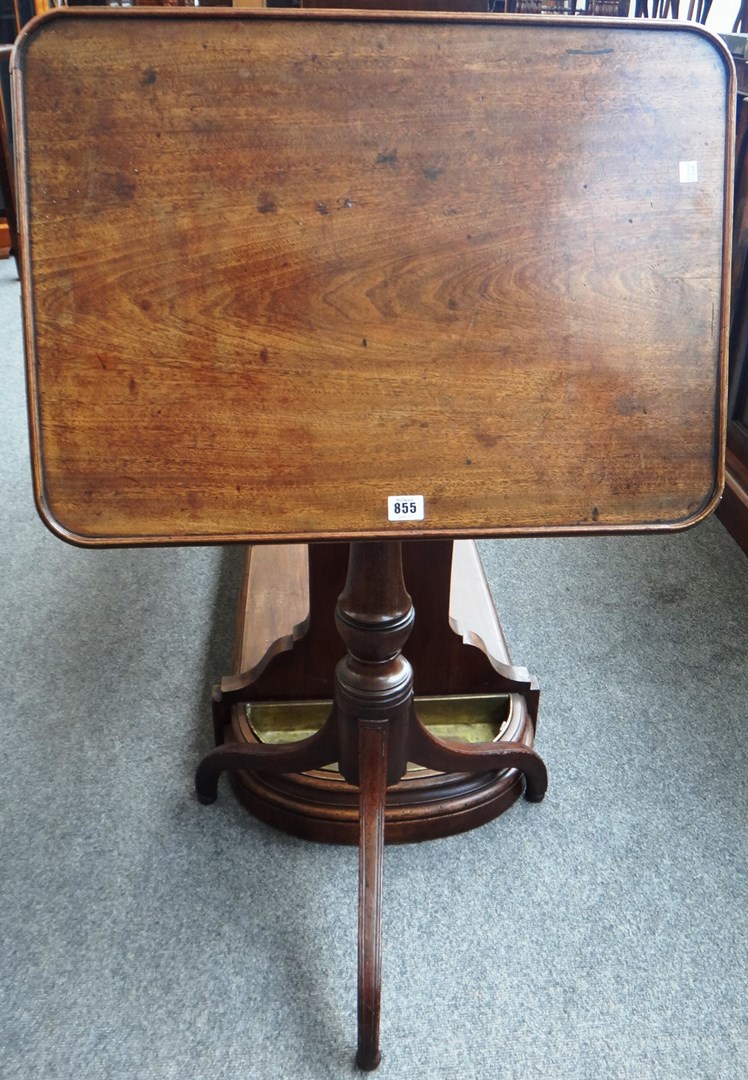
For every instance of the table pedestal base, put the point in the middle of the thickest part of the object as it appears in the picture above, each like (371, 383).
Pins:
(474, 692)
(373, 730)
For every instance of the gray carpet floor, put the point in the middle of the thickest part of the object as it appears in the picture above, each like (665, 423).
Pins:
(600, 934)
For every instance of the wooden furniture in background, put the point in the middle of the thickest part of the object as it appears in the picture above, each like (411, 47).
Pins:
(418, 310)
(8, 219)
(733, 510)
(7, 22)
(399, 5)
(26, 10)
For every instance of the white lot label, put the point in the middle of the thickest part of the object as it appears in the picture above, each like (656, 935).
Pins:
(689, 172)
(405, 507)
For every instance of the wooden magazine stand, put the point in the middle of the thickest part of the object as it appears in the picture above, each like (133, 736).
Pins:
(323, 278)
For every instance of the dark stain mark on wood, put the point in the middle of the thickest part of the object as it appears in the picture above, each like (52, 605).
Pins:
(132, 386)
(145, 304)
(452, 304)
(264, 356)
(388, 157)
(124, 188)
(321, 208)
(628, 406)
(149, 77)
(468, 461)
(486, 440)
(364, 342)
(595, 514)
(625, 485)
(433, 173)
(266, 204)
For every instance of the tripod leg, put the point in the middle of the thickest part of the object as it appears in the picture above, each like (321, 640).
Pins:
(319, 749)
(373, 783)
(434, 753)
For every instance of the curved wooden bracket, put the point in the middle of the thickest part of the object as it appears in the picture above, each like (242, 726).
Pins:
(312, 753)
(425, 749)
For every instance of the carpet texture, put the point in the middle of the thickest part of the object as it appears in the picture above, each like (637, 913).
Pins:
(600, 934)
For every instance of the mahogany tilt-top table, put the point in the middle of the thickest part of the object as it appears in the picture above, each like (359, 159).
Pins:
(319, 278)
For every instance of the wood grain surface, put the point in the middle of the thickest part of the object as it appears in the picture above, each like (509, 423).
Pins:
(280, 266)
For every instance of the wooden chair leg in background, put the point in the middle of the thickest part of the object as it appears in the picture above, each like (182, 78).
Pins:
(7, 166)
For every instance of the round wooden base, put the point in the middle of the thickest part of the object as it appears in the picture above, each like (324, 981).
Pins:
(320, 805)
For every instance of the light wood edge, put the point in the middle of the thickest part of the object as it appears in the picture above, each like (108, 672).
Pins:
(472, 615)
(724, 345)
(478, 533)
(29, 336)
(269, 623)
(22, 44)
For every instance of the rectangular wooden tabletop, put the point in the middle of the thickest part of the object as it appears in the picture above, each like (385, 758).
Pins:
(307, 275)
